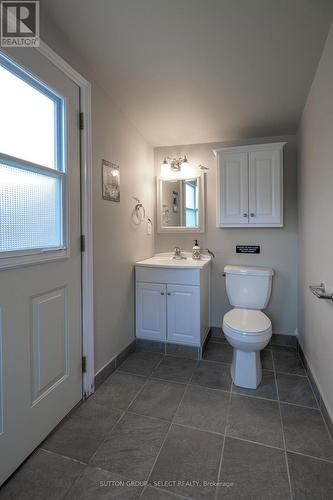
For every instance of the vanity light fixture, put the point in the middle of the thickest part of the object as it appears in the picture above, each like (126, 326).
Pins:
(180, 168)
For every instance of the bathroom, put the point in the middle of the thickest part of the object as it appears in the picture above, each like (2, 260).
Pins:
(146, 396)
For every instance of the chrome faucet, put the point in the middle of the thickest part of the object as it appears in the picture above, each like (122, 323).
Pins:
(178, 254)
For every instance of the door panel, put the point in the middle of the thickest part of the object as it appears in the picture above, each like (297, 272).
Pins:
(49, 346)
(233, 197)
(183, 314)
(151, 311)
(265, 177)
(40, 322)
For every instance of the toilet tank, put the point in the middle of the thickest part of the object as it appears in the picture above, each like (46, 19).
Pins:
(248, 287)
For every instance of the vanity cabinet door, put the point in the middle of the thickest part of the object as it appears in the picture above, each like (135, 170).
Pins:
(151, 311)
(183, 314)
(233, 189)
(265, 187)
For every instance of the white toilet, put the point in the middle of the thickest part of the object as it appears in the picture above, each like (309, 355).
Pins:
(246, 327)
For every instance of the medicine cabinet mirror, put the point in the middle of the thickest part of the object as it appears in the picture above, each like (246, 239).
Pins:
(181, 205)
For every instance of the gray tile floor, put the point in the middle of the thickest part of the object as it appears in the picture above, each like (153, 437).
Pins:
(163, 428)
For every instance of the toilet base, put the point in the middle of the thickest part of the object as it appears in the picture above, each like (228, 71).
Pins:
(246, 369)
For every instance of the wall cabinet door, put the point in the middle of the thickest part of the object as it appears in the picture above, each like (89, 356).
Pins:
(250, 186)
(183, 314)
(265, 187)
(233, 189)
(151, 311)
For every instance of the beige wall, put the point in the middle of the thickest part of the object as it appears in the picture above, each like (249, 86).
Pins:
(278, 245)
(117, 242)
(316, 224)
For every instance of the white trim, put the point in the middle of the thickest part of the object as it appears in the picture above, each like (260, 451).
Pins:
(251, 147)
(22, 259)
(86, 214)
(182, 229)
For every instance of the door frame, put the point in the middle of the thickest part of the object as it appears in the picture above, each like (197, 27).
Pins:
(87, 294)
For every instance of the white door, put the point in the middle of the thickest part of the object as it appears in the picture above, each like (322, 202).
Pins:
(40, 260)
(265, 187)
(183, 306)
(151, 311)
(233, 183)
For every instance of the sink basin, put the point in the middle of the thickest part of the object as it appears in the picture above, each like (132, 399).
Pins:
(166, 260)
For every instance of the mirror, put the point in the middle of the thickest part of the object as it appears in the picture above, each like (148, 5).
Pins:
(181, 205)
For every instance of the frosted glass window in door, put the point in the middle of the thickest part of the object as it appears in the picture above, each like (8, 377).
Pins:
(29, 210)
(32, 169)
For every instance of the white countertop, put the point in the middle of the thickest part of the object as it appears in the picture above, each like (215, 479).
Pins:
(166, 260)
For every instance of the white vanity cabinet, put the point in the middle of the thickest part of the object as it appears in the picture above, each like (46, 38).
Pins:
(183, 314)
(250, 186)
(151, 310)
(172, 302)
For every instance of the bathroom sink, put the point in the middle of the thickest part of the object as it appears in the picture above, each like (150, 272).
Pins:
(167, 260)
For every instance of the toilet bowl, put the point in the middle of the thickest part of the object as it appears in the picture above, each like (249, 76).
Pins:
(248, 331)
(246, 327)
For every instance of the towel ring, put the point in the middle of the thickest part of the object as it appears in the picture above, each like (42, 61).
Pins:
(139, 211)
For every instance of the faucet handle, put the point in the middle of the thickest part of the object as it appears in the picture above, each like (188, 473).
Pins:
(212, 254)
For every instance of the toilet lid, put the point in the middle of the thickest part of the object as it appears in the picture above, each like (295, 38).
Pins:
(247, 320)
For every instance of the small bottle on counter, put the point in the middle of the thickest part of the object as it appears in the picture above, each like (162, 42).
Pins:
(196, 251)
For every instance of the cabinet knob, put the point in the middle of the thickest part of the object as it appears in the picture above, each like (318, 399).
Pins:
(245, 215)
(252, 215)
(169, 293)
(162, 293)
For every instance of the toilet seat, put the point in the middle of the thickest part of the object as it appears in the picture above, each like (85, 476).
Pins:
(247, 324)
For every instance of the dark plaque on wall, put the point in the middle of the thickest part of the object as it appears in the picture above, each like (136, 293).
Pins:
(247, 249)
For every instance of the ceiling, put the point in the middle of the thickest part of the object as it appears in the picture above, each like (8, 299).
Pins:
(192, 71)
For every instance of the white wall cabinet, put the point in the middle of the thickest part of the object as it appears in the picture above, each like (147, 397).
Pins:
(250, 186)
(176, 310)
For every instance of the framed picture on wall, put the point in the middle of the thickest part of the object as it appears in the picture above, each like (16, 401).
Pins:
(110, 181)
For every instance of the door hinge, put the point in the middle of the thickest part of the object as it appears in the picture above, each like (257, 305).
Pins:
(84, 364)
(83, 242)
(81, 121)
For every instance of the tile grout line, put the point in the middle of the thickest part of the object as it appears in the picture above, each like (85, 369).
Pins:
(282, 428)
(275, 400)
(319, 402)
(316, 399)
(176, 495)
(167, 434)
(254, 442)
(66, 457)
(326, 460)
(224, 440)
(208, 387)
(326, 426)
(307, 371)
(65, 495)
(186, 386)
(124, 412)
(106, 436)
(86, 464)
